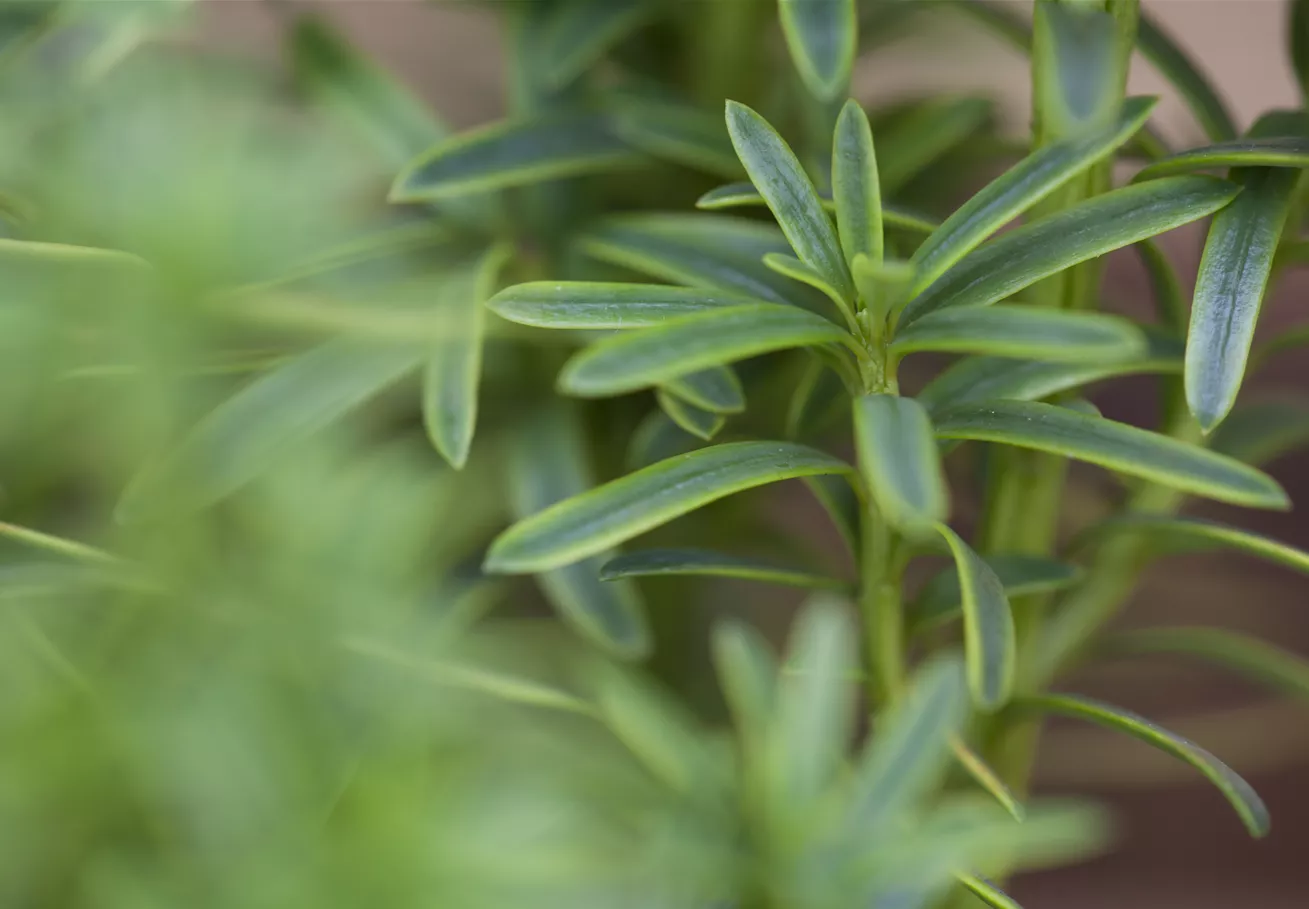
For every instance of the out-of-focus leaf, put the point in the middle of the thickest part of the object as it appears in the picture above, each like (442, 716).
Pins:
(656, 730)
(1262, 432)
(454, 365)
(1019, 188)
(1166, 288)
(1249, 807)
(920, 137)
(1283, 152)
(815, 401)
(638, 360)
(1278, 669)
(982, 774)
(988, 892)
(657, 438)
(701, 423)
(677, 133)
(1020, 575)
(1173, 63)
(1022, 257)
(1176, 535)
(548, 466)
(1292, 338)
(1298, 33)
(793, 268)
(900, 463)
(579, 32)
(989, 640)
(822, 36)
(68, 548)
(627, 507)
(747, 672)
(1117, 446)
(744, 195)
(716, 390)
(1024, 332)
(587, 305)
(842, 505)
(883, 287)
(776, 172)
(855, 185)
(656, 562)
(514, 153)
(1075, 67)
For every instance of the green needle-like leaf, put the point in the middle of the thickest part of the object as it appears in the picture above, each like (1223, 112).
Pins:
(747, 671)
(901, 464)
(514, 153)
(791, 197)
(1019, 188)
(548, 465)
(1116, 446)
(1024, 332)
(982, 774)
(1262, 432)
(1244, 799)
(701, 423)
(637, 360)
(454, 366)
(676, 133)
(822, 36)
(1277, 151)
(1178, 535)
(1177, 68)
(988, 892)
(1279, 670)
(625, 508)
(941, 598)
(586, 305)
(744, 195)
(1022, 257)
(579, 32)
(989, 640)
(716, 390)
(656, 562)
(855, 186)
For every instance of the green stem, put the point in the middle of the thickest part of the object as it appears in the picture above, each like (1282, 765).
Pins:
(881, 573)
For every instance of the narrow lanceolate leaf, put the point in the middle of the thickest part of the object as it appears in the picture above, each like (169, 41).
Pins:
(1024, 332)
(657, 438)
(717, 251)
(1024, 256)
(747, 671)
(1178, 69)
(627, 507)
(988, 892)
(656, 730)
(988, 779)
(917, 139)
(657, 562)
(1298, 32)
(817, 400)
(989, 640)
(267, 420)
(909, 750)
(744, 195)
(676, 133)
(899, 460)
(1166, 288)
(994, 378)
(454, 364)
(701, 423)
(1077, 69)
(579, 32)
(855, 186)
(1116, 446)
(777, 173)
(1243, 798)
(1021, 187)
(941, 598)
(514, 153)
(716, 390)
(548, 465)
(841, 502)
(1179, 535)
(1229, 291)
(1262, 432)
(1279, 670)
(630, 362)
(796, 270)
(822, 36)
(587, 305)
(1278, 151)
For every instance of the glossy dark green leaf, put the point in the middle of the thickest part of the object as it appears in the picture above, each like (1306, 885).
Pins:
(744, 195)
(1021, 187)
(1288, 152)
(1175, 66)
(988, 892)
(989, 640)
(547, 466)
(747, 671)
(677, 133)
(1175, 534)
(1117, 446)
(656, 562)
(855, 186)
(454, 365)
(982, 774)
(1237, 791)
(579, 32)
(994, 378)
(637, 360)
(265, 421)
(917, 139)
(716, 390)
(1262, 432)
(822, 36)
(900, 463)
(1022, 257)
(776, 172)
(1076, 69)
(514, 153)
(1229, 291)
(588, 305)
(1020, 575)
(717, 251)
(627, 507)
(909, 750)
(793, 268)
(1024, 332)
(701, 423)
(1277, 669)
